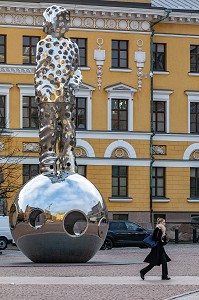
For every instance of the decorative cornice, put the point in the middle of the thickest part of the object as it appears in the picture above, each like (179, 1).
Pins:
(17, 69)
(92, 17)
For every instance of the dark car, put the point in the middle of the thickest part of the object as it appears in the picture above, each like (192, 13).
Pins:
(125, 234)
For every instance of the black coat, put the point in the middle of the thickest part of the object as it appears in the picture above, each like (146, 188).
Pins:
(155, 256)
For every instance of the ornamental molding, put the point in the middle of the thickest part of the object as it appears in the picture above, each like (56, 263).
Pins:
(2, 146)
(92, 17)
(158, 150)
(16, 69)
(31, 147)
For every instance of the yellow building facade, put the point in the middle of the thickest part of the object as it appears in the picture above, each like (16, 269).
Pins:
(137, 108)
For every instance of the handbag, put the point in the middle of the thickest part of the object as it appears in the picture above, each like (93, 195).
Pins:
(149, 242)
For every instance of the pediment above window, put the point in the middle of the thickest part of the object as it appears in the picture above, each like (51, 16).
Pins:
(120, 87)
(87, 87)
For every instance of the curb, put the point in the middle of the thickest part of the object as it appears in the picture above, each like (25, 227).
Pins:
(182, 295)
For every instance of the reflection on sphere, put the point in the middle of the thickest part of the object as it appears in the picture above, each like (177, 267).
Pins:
(59, 221)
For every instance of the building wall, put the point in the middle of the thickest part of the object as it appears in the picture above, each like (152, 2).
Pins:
(178, 36)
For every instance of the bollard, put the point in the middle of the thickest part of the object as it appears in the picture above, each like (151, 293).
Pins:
(194, 235)
(176, 236)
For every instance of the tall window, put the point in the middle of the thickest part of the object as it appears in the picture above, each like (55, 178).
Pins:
(159, 57)
(194, 182)
(119, 112)
(80, 113)
(159, 116)
(30, 114)
(29, 171)
(158, 182)
(2, 112)
(194, 117)
(119, 181)
(81, 170)
(2, 49)
(29, 49)
(119, 54)
(194, 58)
(82, 45)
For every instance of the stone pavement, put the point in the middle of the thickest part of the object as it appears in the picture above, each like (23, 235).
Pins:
(110, 275)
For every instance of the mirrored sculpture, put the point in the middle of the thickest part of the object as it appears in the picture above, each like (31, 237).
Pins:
(58, 216)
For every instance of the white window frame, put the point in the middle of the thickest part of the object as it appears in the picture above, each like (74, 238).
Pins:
(85, 91)
(164, 95)
(25, 90)
(193, 96)
(123, 92)
(5, 91)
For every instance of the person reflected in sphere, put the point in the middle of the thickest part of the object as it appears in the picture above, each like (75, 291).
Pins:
(57, 77)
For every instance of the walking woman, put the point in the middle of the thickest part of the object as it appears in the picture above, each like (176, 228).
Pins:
(158, 256)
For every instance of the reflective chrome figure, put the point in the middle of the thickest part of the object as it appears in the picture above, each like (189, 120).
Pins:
(57, 76)
(58, 216)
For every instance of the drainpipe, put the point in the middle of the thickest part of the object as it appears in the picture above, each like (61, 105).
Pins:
(167, 11)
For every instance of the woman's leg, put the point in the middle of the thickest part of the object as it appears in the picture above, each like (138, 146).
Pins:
(146, 269)
(164, 266)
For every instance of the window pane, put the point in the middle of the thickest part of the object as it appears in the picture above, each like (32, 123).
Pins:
(25, 122)
(192, 172)
(123, 54)
(123, 116)
(123, 63)
(160, 192)
(115, 44)
(81, 170)
(25, 112)
(123, 45)
(160, 182)
(115, 191)
(115, 171)
(160, 171)
(122, 181)
(115, 181)
(123, 191)
(160, 127)
(160, 48)
(26, 40)
(123, 170)
(81, 102)
(115, 54)
(25, 101)
(82, 43)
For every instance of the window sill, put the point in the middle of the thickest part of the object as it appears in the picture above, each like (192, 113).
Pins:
(120, 70)
(193, 200)
(161, 72)
(120, 199)
(160, 200)
(85, 68)
(193, 74)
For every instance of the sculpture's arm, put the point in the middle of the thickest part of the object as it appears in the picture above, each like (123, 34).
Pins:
(76, 78)
(38, 69)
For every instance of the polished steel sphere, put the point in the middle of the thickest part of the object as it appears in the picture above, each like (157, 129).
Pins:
(59, 219)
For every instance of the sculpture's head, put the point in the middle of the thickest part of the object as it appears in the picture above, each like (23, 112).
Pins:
(56, 20)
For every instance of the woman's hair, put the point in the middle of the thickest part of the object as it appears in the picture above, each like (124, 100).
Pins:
(159, 220)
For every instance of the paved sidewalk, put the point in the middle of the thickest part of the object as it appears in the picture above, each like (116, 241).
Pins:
(109, 275)
(103, 280)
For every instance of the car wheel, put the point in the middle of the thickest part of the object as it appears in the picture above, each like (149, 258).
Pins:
(103, 247)
(3, 243)
(108, 243)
